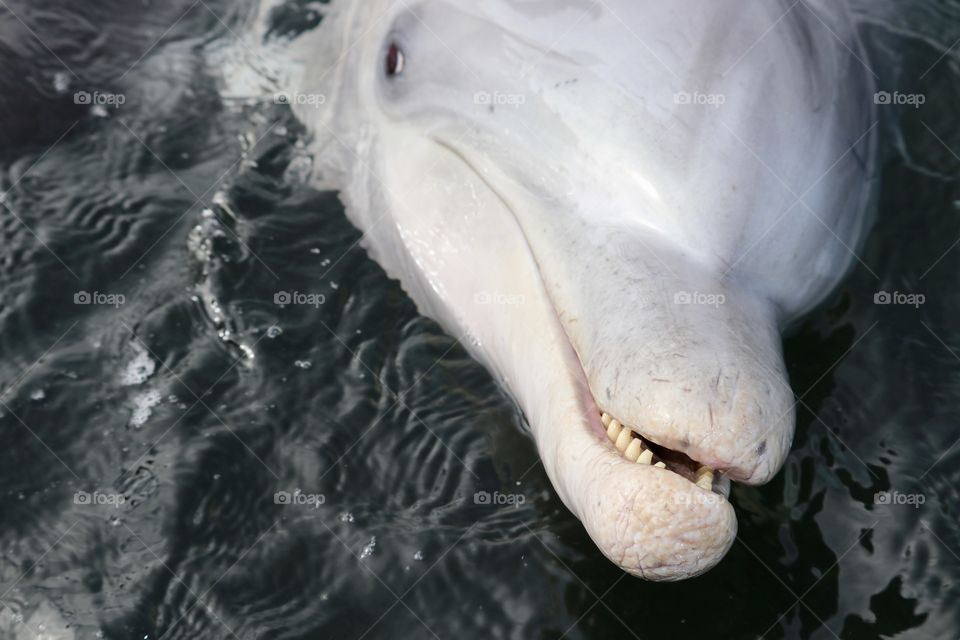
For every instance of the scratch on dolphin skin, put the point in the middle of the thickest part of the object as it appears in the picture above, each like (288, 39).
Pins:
(736, 388)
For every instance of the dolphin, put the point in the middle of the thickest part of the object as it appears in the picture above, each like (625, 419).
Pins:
(618, 206)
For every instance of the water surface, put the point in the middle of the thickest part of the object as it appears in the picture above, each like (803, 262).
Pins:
(184, 458)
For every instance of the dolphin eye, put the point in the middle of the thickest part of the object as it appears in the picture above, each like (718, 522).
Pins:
(395, 60)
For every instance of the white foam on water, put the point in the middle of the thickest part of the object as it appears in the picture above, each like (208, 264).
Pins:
(139, 369)
(369, 549)
(143, 404)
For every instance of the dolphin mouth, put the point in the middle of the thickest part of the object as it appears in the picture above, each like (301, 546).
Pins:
(654, 511)
(629, 442)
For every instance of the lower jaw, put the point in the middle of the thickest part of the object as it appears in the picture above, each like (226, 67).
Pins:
(654, 522)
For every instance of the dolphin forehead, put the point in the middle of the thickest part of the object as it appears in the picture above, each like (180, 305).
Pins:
(704, 121)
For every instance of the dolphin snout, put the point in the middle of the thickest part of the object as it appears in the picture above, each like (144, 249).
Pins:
(688, 360)
(683, 389)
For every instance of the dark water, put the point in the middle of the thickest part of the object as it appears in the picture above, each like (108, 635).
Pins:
(198, 399)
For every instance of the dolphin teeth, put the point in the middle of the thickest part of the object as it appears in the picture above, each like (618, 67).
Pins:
(613, 430)
(631, 446)
(705, 478)
(633, 450)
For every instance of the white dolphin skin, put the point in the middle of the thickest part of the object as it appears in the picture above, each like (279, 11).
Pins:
(617, 206)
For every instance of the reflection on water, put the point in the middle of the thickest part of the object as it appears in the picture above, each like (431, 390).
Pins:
(185, 454)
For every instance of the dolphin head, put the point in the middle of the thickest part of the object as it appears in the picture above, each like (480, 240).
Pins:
(617, 207)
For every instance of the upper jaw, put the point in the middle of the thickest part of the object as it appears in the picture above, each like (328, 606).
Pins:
(721, 402)
(685, 358)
